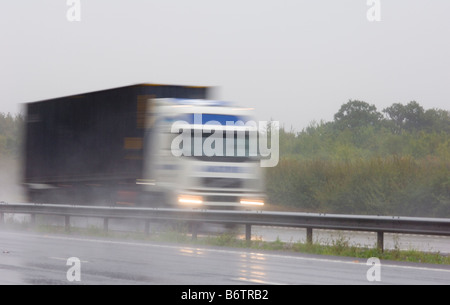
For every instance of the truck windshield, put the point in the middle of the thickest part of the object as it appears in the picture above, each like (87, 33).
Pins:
(221, 146)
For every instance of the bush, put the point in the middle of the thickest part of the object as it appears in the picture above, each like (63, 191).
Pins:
(377, 186)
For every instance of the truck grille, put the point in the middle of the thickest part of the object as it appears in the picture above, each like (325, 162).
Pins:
(222, 182)
(218, 198)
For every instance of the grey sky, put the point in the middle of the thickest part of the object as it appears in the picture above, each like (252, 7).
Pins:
(294, 61)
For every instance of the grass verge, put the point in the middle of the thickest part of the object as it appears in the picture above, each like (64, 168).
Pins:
(337, 247)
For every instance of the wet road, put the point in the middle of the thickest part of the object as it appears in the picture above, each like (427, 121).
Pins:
(423, 243)
(41, 259)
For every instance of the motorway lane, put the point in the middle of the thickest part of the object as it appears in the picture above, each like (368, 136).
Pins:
(423, 243)
(417, 242)
(41, 259)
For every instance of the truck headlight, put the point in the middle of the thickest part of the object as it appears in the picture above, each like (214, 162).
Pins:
(251, 201)
(189, 199)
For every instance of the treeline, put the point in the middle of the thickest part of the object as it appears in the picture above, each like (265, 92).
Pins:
(10, 134)
(393, 162)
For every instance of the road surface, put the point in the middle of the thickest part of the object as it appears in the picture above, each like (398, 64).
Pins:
(423, 243)
(27, 258)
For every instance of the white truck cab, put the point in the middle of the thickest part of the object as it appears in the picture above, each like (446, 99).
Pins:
(202, 153)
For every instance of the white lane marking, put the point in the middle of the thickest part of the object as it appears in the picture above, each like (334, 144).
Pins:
(255, 281)
(325, 260)
(64, 259)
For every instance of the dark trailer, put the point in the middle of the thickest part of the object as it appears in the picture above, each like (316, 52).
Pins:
(89, 147)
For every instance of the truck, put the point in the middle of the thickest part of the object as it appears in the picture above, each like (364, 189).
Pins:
(147, 145)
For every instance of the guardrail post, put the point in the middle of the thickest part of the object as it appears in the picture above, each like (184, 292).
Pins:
(309, 235)
(194, 227)
(105, 224)
(2, 219)
(67, 223)
(33, 220)
(248, 232)
(380, 240)
(147, 226)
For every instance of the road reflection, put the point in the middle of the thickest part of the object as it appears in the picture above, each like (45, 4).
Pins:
(191, 252)
(252, 269)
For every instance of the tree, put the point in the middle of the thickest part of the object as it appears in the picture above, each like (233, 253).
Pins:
(410, 117)
(355, 114)
(10, 132)
(414, 116)
(396, 116)
(437, 120)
